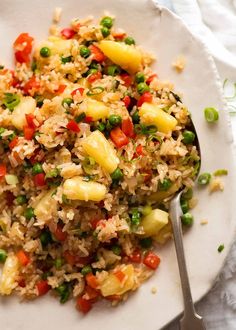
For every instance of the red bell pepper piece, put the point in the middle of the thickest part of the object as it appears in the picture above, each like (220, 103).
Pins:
(73, 126)
(146, 97)
(39, 180)
(68, 33)
(127, 79)
(83, 305)
(3, 170)
(28, 132)
(94, 76)
(151, 260)
(23, 257)
(98, 55)
(23, 48)
(150, 79)
(136, 256)
(80, 90)
(118, 137)
(127, 127)
(59, 234)
(42, 287)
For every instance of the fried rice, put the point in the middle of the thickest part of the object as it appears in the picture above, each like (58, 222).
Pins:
(93, 145)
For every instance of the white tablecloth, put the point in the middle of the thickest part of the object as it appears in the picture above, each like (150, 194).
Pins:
(214, 21)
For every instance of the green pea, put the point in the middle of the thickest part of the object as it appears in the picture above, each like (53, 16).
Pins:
(116, 249)
(3, 255)
(115, 120)
(129, 41)
(37, 168)
(135, 118)
(86, 270)
(187, 219)
(135, 217)
(184, 205)
(146, 242)
(63, 291)
(21, 199)
(84, 52)
(101, 127)
(187, 194)
(66, 103)
(58, 263)
(165, 184)
(29, 213)
(107, 22)
(204, 178)
(188, 137)
(117, 175)
(45, 238)
(113, 70)
(220, 248)
(142, 88)
(45, 52)
(139, 77)
(105, 31)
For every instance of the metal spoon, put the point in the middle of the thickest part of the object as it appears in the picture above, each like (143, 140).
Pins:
(190, 320)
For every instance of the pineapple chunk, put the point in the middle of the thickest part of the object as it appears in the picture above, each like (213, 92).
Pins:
(57, 45)
(96, 109)
(164, 234)
(45, 207)
(151, 114)
(97, 146)
(9, 275)
(127, 57)
(75, 188)
(112, 285)
(159, 196)
(26, 105)
(154, 222)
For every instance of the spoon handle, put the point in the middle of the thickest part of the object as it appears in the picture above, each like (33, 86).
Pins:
(190, 318)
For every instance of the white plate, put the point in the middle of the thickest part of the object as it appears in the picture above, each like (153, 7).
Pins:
(159, 31)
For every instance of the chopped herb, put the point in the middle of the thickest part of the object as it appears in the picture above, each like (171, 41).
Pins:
(135, 217)
(220, 248)
(165, 184)
(63, 291)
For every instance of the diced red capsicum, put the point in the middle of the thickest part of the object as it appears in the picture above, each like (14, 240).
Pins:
(3, 170)
(23, 257)
(98, 55)
(88, 119)
(151, 260)
(127, 79)
(146, 97)
(31, 86)
(118, 137)
(136, 256)
(70, 258)
(91, 280)
(23, 48)
(13, 143)
(28, 132)
(83, 305)
(31, 121)
(91, 293)
(60, 89)
(119, 35)
(150, 79)
(127, 127)
(68, 33)
(139, 150)
(39, 180)
(120, 275)
(73, 126)
(127, 101)
(43, 287)
(94, 76)
(59, 234)
(80, 90)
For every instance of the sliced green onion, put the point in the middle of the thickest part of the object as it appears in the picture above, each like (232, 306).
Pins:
(101, 127)
(86, 270)
(135, 217)
(145, 130)
(117, 175)
(63, 291)
(113, 70)
(21, 199)
(220, 172)
(204, 178)
(187, 194)
(211, 115)
(53, 173)
(165, 184)
(95, 91)
(11, 179)
(37, 168)
(67, 102)
(80, 117)
(116, 249)
(11, 100)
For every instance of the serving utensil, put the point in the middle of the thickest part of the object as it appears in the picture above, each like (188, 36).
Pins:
(190, 320)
